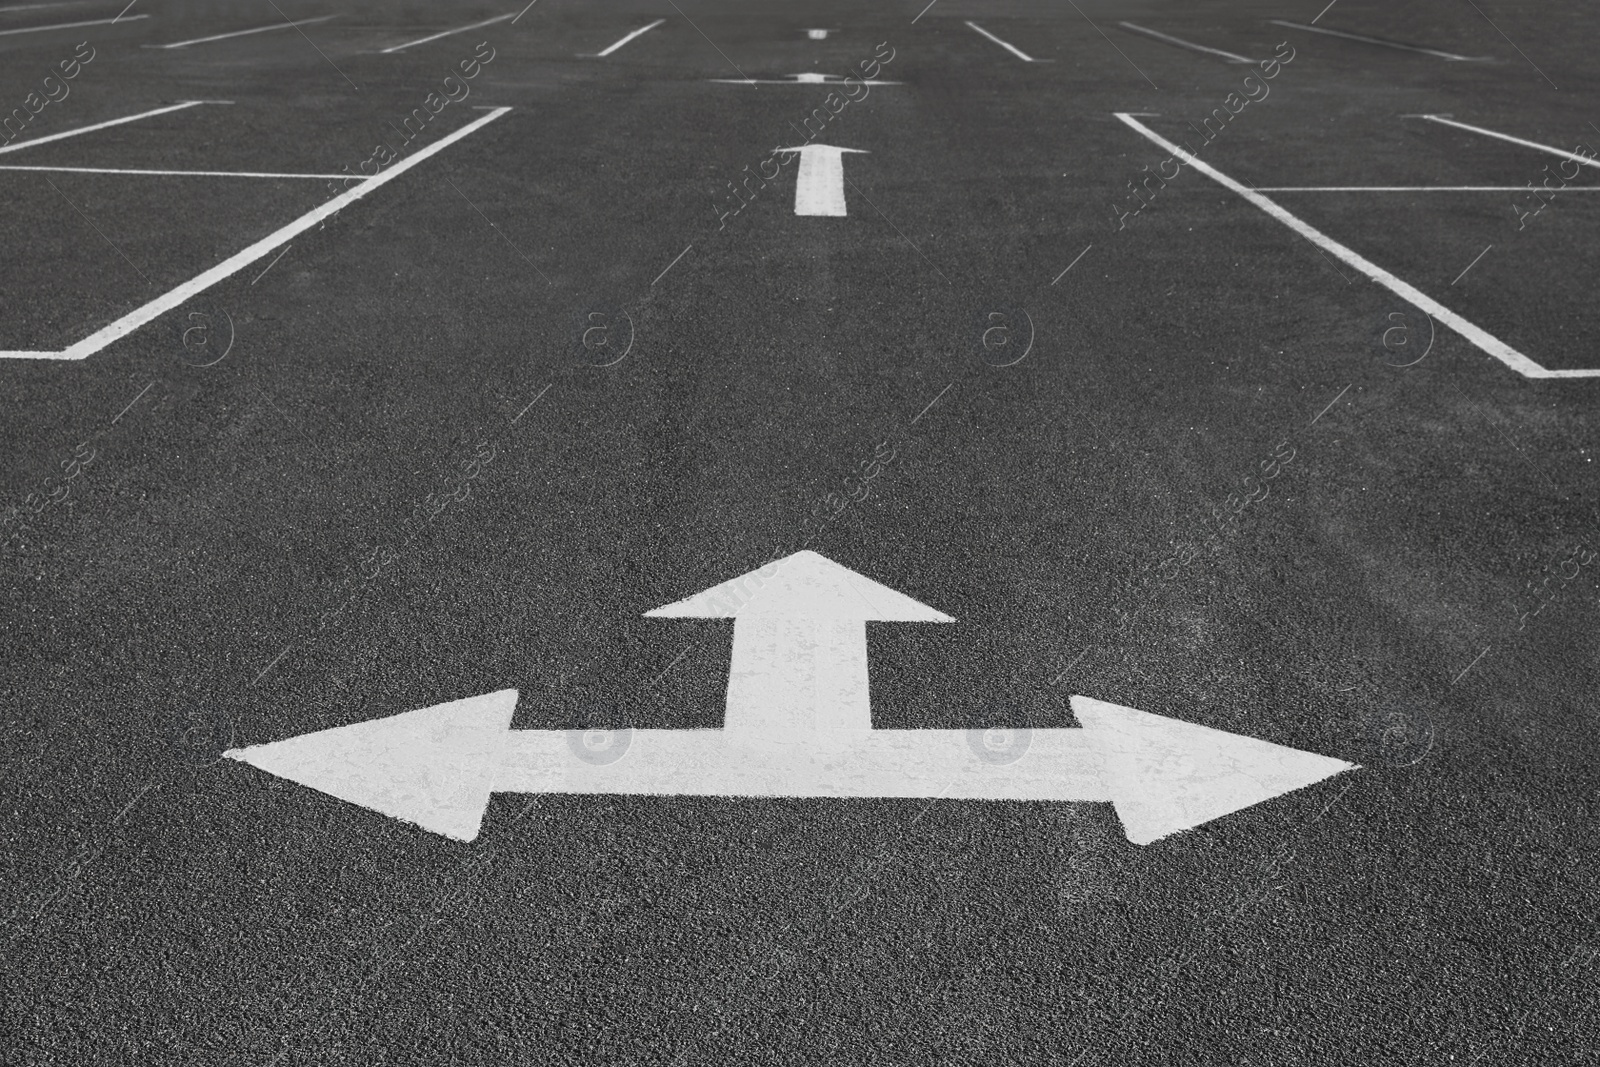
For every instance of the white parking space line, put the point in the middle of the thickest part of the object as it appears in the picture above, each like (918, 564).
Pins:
(18, 146)
(1412, 188)
(71, 25)
(242, 33)
(1074, 262)
(34, 7)
(1181, 43)
(446, 33)
(179, 173)
(612, 48)
(260, 250)
(1443, 121)
(1013, 49)
(1479, 337)
(1380, 41)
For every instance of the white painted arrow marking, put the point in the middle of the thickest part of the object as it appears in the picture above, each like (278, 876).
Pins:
(437, 767)
(819, 187)
(798, 725)
(800, 641)
(806, 78)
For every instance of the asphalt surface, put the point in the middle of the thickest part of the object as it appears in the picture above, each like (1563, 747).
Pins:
(248, 546)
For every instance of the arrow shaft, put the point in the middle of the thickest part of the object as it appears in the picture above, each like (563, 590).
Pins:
(798, 674)
(819, 183)
(1060, 764)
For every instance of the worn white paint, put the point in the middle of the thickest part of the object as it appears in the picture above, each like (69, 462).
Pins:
(71, 25)
(1380, 41)
(606, 51)
(446, 33)
(81, 130)
(1231, 57)
(136, 318)
(1475, 334)
(437, 767)
(819, 185)
(1013, 49)
(242, 33)
(1588, 161)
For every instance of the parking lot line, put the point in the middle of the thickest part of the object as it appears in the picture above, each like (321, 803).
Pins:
(242, 33)
(1380, 41)
(178, 173)
(642, 29)
(240, 260)
(446, 33)
(1181, 43)
(19, 145)
(1588, 160)
(1013, 49)
(71, 25)
(1478, 336)
(1410, 188)
(34, 7)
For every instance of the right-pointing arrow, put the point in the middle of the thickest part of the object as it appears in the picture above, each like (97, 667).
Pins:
(436, 767)
(1164, 775)
(819, 187)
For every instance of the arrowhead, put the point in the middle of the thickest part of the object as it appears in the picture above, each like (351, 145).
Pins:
(804, 585)
(433, 767)
(1165, 775)
(822, 148)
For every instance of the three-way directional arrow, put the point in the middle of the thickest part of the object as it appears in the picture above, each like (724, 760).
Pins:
(798, 725)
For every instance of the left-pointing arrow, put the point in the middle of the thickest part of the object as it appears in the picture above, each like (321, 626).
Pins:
(819, 187)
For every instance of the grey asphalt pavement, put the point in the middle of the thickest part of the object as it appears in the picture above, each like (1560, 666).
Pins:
(463, 433)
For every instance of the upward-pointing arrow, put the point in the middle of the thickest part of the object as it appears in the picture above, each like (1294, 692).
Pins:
(800, 641)
(819, 187)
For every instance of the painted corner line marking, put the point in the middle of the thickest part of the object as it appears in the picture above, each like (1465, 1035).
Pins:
(1479, 337)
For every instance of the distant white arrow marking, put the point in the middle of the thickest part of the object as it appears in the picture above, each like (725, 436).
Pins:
(819, 186)
(807, 78)
(798, 624)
